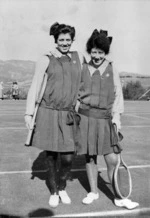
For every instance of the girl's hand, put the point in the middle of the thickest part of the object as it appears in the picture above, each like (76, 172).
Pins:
(116, 120)
(28, 120)
(77, 106)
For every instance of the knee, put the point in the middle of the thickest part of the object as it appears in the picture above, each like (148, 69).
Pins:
(50, 162)
(51, 159)
(112, 161)
(91, 159)
(67, 161)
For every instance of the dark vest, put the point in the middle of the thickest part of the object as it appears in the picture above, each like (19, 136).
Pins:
(97, 90)
(64, 76)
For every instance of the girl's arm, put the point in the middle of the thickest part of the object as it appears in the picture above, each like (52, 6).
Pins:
(118, 106)
(41, 67)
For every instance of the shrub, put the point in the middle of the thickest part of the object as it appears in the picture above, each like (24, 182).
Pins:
(133, 90)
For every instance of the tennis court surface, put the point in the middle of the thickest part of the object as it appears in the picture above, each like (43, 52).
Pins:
(23, 192)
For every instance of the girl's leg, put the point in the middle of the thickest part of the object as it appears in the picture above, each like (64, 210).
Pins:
(92, 174)
(111, 161)
(52, 181)
(65, 168)
(66, 164)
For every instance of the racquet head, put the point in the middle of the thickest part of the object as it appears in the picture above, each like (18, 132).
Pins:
(122, 181)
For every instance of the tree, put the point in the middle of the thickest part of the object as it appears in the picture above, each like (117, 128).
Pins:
(133, 90)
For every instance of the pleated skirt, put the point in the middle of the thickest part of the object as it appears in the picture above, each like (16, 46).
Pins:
(95, 136)
(51, 131)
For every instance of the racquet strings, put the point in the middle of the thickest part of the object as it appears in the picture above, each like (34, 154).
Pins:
(123, 181)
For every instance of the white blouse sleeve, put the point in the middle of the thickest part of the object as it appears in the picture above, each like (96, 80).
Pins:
(82, 61)
(41, 67)
(118, 106)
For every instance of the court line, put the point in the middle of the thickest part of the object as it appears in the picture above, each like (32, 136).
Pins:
(11, 110)
(106, 213)
(19, 128)
(130, 167)
(22, 128)
(135, 112)
(73, 170)
(5, 112)
(144, 118)
(139, 166)
(11, 114)
(137, 126)
(22, 172)
(22, 113)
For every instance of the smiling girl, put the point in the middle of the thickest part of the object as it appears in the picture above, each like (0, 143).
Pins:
(101, 104)
(52, 133)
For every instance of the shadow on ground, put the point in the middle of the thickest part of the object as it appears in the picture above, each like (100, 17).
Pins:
(39, 170)
(103, 186)
(9, 216)
(40, 165)
(42, 212)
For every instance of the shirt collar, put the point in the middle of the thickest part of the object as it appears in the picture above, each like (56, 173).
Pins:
(101, 68)
(58, 54)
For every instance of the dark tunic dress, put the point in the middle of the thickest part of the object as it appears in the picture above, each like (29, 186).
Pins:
(96, 92)
(51, 132)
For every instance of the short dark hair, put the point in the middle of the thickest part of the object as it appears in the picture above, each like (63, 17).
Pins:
(56, 29)
(99, 40)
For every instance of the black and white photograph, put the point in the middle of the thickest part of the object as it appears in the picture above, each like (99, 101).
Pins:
(74, 108)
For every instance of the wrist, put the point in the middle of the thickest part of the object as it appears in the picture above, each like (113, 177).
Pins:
(116, 120)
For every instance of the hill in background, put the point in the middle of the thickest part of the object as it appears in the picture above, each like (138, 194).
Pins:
(127, 77)
(22, 72)
(17, 70)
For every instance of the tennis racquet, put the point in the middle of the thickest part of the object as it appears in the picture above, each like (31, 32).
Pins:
(32, 126)
(122, 179)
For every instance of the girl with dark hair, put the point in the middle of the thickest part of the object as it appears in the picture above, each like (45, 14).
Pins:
(54, 132)
(100, 105)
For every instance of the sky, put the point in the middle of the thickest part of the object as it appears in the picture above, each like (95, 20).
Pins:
(25, 24)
